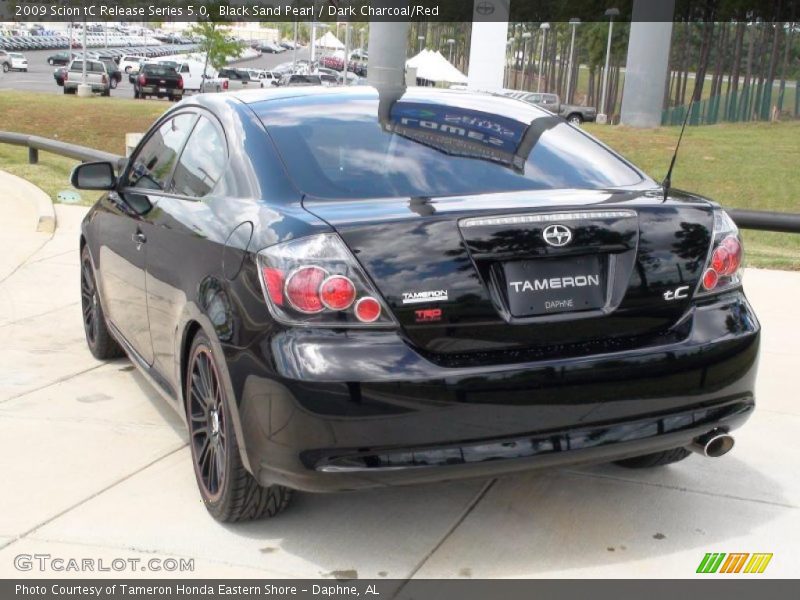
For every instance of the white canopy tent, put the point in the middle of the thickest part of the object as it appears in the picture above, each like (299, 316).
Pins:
(329, 41)
(433, 66)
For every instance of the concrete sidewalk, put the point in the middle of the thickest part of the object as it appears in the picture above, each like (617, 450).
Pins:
(96, 466)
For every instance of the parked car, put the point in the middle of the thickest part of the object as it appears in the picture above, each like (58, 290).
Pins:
(509, 303)
(96, 76)
(13, 61)
(572, 113)
(297, 79)
(239, 79)
(114, 74)
(130, 63)
(271, 48)
(160, 80)
(60, 58)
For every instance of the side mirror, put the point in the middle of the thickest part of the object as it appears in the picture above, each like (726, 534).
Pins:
(93, 176)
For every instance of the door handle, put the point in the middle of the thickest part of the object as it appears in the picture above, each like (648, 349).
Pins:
(139, 238)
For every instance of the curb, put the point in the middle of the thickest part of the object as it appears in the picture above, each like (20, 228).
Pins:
(45, 211)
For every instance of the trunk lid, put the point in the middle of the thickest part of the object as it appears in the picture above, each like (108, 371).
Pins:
(472, 279)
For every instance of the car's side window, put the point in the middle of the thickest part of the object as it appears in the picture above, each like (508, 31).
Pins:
(201, 163)
(153, 164)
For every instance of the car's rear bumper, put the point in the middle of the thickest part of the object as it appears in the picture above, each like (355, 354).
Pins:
(96, 87)
(154, 90)
(326, 411)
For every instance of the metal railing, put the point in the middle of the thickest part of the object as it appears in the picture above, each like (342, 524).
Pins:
(745, 219)
(35, 143)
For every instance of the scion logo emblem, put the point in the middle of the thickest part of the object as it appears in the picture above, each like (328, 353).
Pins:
(557, 235)
(484, 8)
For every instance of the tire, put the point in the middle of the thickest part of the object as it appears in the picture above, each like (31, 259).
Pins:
(6, 68)
(229, 492)
(101, 344)
(113, 84)
(127, 69)
(106, 92)
(575, 119)
(136, 94)
(657, 459)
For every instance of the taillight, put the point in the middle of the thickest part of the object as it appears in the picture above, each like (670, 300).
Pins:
(368, 309)
(225, 85)
(316, 281)
(302, 289)
(723, 269)
(180, 83)
(142, 80)
(337, 292)
(104, 79)
(66, 75)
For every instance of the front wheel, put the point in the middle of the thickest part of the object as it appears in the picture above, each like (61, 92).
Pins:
(6, 68)
(657, 459)
(113, 84)
(101, 344)
(229, 491)
(575, 120)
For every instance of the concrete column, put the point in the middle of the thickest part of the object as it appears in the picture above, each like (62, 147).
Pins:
(488, 48)
(647, 63)
(388, 44)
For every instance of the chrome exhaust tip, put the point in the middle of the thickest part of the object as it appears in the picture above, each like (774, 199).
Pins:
(713, 444)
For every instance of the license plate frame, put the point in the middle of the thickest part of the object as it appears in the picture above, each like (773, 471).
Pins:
(534, 288)
(162, 90)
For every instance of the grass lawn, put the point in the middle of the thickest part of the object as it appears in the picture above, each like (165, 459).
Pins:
(743, 165)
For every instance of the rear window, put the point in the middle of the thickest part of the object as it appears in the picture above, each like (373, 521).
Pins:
(342, 150)
(159, 71)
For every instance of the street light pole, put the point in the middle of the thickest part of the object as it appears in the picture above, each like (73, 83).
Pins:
(421, 39)
(525, 37)
(574, 24)
(294, 51)
(602, 118)
(544, 27)
(451, 42)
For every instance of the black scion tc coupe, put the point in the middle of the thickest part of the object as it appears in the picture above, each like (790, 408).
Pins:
(353, 288)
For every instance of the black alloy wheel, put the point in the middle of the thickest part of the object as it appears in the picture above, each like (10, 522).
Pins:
(89, 302)
(229, 491)
(99, 339)
(208, 425)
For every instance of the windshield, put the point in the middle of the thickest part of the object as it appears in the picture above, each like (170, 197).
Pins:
(336, 149)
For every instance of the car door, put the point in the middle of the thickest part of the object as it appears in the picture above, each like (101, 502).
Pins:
(186, 240)
(124, 227)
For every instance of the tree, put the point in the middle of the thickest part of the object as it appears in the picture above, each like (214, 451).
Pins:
(215, 43)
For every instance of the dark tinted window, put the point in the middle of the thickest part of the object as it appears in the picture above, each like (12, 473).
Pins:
(159, 71)
(477, 145)
(201, 163)
(153, 164)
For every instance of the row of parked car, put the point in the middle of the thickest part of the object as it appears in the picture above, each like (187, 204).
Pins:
(119, 55)
(93, 40)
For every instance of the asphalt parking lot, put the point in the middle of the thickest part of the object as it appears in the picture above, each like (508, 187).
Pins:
(96, 466)
(39, 77)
